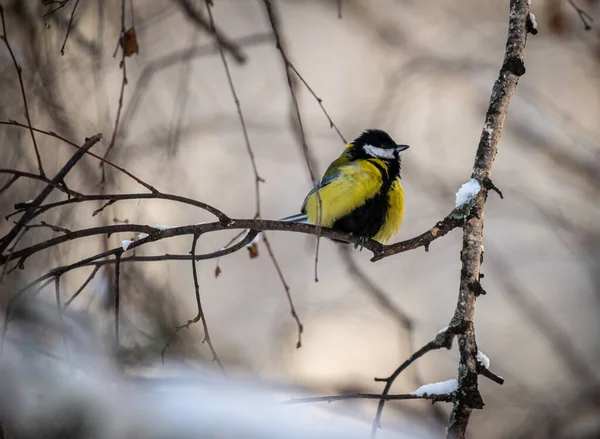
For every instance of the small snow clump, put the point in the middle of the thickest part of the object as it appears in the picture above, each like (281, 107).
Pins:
(467, 192)
(532, 18)
(441, 388)
(483, 359)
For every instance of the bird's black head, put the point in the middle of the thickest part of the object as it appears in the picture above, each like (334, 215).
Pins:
(378, 144)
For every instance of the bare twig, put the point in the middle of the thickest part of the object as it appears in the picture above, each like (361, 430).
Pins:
(74, 145)
(12, 179)
(225, 43)
(61, 4)
(238, 106)
(274, 20)
(199, 317)
(62, 49)
(257, 178)
(11, 250)
(287, 291)
(117, 296)
(442, 340)
(585, 18)
(398, 397)
(123, 66)
(60, 318)
(35, 204)
(4, 36)
(113, 198)
(278, 42)
(82, 287)
(318, 99)
(17, 174)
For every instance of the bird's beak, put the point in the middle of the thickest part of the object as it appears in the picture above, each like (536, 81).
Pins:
(401, 147)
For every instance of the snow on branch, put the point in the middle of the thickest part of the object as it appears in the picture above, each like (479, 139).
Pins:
(467, 192)
(439, 388)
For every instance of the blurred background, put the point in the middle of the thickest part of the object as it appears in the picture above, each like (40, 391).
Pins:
(422, 71)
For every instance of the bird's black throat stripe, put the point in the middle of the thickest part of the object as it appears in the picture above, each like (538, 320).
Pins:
(367, 219)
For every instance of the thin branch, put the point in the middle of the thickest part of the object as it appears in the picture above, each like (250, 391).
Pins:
(97, 157)
(454, 219)
(62, 49)
(35, 204)
(279, 44)
(45, 225)
(113, 198)
(123, 66)
(17, 174)
(4, 36)
(287, 291)
(12, 179)
(257, 178)
(468, 397)
(274, 21)
(200, 316)
(319, 101)
(117, 297)
(60, 318)
(442, 340)
(82, 287)
(585, 18)
(397, 397)
(61, 4)
(11, 250)
(223, 41)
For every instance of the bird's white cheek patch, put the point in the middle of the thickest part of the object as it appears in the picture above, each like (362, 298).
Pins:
(375, 151)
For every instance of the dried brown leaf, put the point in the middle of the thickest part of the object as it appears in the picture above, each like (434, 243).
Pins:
(253, 250)
(129, 42)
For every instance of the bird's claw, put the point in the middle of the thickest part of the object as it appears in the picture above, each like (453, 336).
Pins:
(362, 241)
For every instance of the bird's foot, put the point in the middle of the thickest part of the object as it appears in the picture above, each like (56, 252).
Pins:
(362, 241)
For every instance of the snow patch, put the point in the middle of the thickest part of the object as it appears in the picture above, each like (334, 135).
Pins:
(125, 244)
(532, 18)
(467, 192)
(441, 388)
(483, 359)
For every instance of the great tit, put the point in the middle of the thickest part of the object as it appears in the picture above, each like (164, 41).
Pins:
(360, 192)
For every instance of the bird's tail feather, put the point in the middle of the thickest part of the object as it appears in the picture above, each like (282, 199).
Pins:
(299, 218)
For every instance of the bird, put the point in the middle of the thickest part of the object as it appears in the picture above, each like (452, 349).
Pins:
(360, 192)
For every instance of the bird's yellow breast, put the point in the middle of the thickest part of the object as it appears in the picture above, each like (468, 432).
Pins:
(394, 215)
(356, 183)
